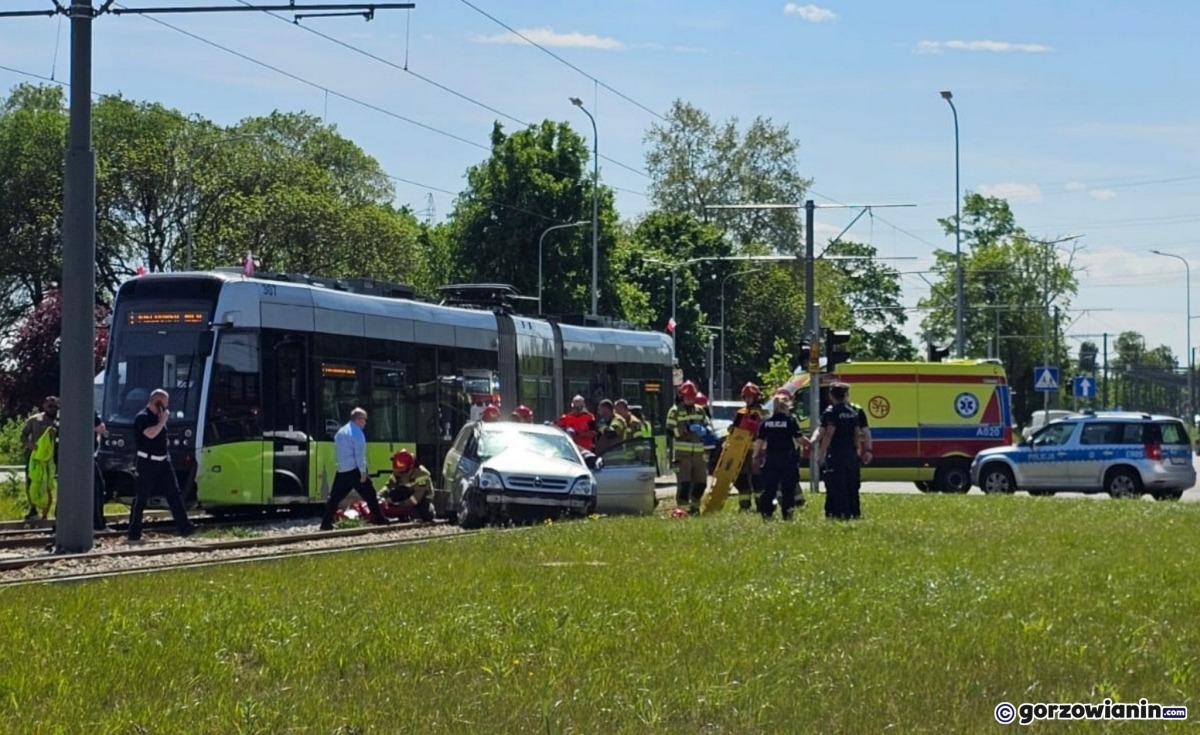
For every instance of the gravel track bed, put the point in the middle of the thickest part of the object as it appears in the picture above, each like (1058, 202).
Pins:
(105, 559)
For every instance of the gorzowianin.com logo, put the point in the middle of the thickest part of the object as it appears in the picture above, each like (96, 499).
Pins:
(1027, 713)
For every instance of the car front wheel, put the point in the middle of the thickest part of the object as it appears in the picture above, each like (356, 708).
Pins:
(996, 478)
(472, 510)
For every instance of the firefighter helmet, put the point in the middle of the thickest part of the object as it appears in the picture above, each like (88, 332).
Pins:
(687, 389)
(403, 461)
(701, 399)
(491, 413)
(751, 392)
(524, 412)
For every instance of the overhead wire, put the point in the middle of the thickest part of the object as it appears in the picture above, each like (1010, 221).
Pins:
(434, 83)
(561, 60)
(99, 95)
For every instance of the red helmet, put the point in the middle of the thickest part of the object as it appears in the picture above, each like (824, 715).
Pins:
(751, 392)
(403, 461)
(687, 389)
(701, 399)
(525, 412)
(491, 413)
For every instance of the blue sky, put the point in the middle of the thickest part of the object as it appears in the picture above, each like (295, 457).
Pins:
(1083, 114)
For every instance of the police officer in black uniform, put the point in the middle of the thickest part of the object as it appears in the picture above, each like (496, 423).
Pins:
(777, 452)
(155, 475)
(843, 427)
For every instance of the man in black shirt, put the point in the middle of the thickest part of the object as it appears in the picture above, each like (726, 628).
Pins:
(155, 475)
(842, 426)
(776, 451)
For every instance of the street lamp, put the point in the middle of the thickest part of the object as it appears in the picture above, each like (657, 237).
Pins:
(550, 229)
(959, 303)
(1188, 352)
(724, 384)
(595, 204)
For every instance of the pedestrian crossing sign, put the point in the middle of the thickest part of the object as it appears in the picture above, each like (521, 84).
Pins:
(1045, 379)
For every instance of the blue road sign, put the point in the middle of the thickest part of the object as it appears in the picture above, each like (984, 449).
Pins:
(1045, 379)
(1085, 386)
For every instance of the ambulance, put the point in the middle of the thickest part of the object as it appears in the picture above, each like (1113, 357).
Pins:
(928, 419)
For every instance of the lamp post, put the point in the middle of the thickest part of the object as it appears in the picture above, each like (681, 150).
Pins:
(724, 386)
(1187, 269)
(959, 303)
(548, 230)
(595, 204)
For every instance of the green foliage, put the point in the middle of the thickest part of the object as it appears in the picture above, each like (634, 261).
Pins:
(581, 627)
(534, 179)
(11, 451)
(1012, 283)
(871, 290)
(695, 163)
(780, 366)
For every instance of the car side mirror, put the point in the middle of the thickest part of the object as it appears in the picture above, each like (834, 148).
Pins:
(593, 462)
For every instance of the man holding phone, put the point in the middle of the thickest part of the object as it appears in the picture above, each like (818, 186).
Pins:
(155, 475)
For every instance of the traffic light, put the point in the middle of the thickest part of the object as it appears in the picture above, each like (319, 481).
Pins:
(835, 350)
(809, 355)
(937, 354)
(1087, 357)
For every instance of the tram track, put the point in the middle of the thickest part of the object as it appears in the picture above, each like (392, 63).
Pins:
(117, 559)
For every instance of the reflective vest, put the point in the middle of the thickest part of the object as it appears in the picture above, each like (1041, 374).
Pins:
(679, 418)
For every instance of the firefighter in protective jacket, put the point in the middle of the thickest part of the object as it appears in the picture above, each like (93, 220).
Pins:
(748, 480)
(410, 486)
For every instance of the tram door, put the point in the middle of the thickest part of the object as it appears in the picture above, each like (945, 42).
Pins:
(289, 428)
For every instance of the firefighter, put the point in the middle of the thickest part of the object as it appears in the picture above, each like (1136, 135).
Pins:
(843, 433)
(748, 480)
(490, 413)
(410, 486)
(688, 424)
(522, 414)
(624, 421)
(777, 455)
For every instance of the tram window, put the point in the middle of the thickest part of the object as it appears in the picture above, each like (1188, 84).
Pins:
(141, 365)
(235, 403)
(387, 409)
(339, 396)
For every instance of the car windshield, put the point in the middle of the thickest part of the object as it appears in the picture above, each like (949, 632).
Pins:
(492, 443)
(1054, 435)
(722, 412)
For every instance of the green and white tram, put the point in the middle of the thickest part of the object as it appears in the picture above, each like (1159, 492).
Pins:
(263, 371)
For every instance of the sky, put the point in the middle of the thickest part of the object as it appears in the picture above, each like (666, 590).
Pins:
(1083, 114)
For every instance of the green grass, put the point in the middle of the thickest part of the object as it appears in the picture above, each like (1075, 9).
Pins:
(919, 619)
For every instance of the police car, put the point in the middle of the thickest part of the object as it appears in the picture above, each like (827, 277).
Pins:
(1124, 454)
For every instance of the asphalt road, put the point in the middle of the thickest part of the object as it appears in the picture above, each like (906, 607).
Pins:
(666, 485)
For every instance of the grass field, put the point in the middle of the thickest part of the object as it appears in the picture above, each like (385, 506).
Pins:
(919, 619)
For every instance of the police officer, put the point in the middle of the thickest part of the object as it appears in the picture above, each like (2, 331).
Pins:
(155, 474)
(777, 453)
(843, 431)
(688, 424)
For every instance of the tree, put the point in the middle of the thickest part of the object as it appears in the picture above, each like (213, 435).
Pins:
(31, 368)
(1012, 284)
(657, 241)
(872, 292)
(33, 138)
(535, 178)
(695, 163)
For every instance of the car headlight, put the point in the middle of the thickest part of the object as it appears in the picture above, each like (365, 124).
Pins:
(489, 480)
(584, 486)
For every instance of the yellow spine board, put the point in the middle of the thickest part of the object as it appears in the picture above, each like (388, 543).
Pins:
(729, 466)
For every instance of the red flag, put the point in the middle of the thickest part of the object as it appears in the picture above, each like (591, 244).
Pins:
(671, 325)
(248, 265)
(141, 270)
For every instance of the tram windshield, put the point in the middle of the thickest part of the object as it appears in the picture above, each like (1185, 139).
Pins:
(141, 362)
